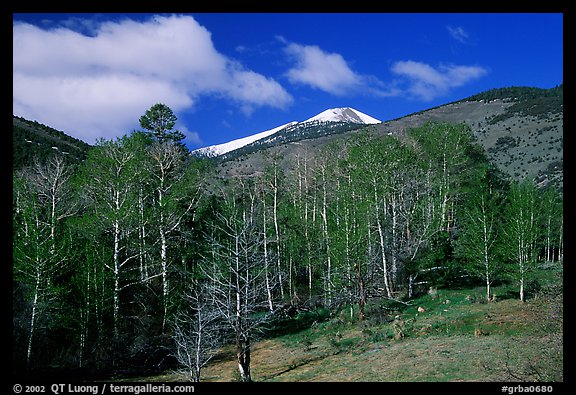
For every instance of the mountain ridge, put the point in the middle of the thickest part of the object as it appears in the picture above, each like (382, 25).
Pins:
(520, 128)
(220, 149)
(345, 115)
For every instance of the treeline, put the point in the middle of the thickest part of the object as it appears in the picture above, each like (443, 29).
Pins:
(142, 257)
(518, 93)
(527, 101)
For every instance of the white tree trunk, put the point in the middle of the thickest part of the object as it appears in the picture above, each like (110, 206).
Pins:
(277, 233)
(328, 295)
(395, 243)
(116, 271)
(266, 268)
(486, 245)
(164, 262)
(382, 244)
(33, 316)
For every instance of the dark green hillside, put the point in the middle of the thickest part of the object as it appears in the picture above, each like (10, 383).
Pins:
(517, 93)
(32, 139)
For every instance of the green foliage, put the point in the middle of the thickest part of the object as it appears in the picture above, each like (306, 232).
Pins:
(364, 218)
(523, 216)
(517, 93)
(160, 120)
(478, 240)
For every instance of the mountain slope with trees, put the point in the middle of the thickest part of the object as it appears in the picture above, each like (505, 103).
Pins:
(31, 139)
(521, 129)
(143, 258)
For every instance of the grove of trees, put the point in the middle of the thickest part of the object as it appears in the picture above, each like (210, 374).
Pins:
(141, 256)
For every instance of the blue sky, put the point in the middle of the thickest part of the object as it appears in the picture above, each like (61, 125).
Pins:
(229, 75)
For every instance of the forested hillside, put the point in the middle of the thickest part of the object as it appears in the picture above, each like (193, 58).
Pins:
(526, 101)
(31, 140)
(520, 128)
(145, 258)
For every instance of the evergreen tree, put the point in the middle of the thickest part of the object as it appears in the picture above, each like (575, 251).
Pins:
(160, 120)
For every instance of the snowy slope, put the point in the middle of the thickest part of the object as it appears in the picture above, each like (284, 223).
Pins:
(345, 114)
(219, 149)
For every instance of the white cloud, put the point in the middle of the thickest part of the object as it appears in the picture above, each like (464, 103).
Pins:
(99, 85)
(192, 138)
(458, 33)
(95, 106)
(252, 89)
(322, 70)
(426, 82)
(331, 73)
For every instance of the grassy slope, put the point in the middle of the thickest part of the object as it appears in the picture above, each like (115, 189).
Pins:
(456, 338)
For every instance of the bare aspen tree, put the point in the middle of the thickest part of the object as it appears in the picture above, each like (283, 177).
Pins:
(197, 331)
(40, 204)
(255, 190)
(552, 218)
(114, 172)
(328, 291)
(235, 271)
(266, 259)
(112, 194)
(306, 196)
(272, 177)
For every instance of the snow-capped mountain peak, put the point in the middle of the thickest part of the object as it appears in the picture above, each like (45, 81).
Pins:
(220, 149)
(344, 114)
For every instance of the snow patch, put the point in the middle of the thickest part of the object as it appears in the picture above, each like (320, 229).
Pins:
(220, 149)
(344, 114)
